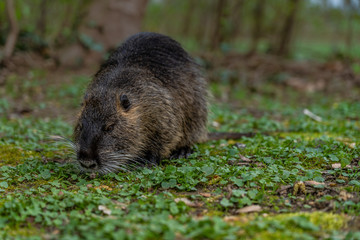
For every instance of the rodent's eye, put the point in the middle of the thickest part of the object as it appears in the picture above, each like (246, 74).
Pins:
(108, 128)
(125, 102)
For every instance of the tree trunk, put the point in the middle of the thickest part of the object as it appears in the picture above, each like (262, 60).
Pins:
(287, 30)
(14, 30)
(105, 26)
(258, 16)
(41, 23)
(201, 34)
(190, 7)
(236, 19)
(218, 35)
(109, 22)
(349, 33)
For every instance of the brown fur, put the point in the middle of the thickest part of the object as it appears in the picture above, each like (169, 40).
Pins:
(164, 112)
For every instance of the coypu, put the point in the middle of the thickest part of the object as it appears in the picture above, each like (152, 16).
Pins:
(147, 102)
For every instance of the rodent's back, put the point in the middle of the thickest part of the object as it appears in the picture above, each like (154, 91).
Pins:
(158, 53)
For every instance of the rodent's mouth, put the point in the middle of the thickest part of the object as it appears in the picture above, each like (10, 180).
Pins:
(109, 162)
(113, 162)
(106, 161)
(89, 165)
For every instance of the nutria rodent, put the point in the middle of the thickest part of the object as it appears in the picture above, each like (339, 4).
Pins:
(147, 102)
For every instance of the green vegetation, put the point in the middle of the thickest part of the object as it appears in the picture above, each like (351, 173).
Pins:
(304, 175)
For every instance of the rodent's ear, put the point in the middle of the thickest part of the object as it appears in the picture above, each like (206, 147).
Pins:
(125, 103)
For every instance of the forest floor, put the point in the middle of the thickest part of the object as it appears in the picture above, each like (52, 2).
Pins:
(297, 178)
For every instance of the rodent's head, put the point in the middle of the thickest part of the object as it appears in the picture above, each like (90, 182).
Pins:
(106, 131)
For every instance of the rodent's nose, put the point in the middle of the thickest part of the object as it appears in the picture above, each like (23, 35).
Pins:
(87, 158)
(88, 164)
(85, 154)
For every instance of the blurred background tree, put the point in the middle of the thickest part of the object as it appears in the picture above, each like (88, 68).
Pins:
(298, 29)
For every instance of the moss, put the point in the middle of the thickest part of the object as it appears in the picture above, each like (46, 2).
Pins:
(294, 225)
(308, 136)
(280, 235)
(23, 232)
(214, 213)
(12, 155)
(326, 221)
(26, 185)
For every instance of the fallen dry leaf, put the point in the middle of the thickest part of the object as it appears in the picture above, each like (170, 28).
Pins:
(311, 182)
(215, 198)
(283, 188)
(104, 209)
(205, 194)
(121, 205)
(351, 145)
(104, 187)
(249, 209)
(336, 165)
(343, 178)
(344, 195)
(301, 85)
(187, 202)
(242, 219)
(55, 232)
(244, 159)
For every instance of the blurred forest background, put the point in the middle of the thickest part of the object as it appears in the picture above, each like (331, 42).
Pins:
(307, 45)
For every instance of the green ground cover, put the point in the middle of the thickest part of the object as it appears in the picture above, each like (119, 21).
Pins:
(298, 178)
